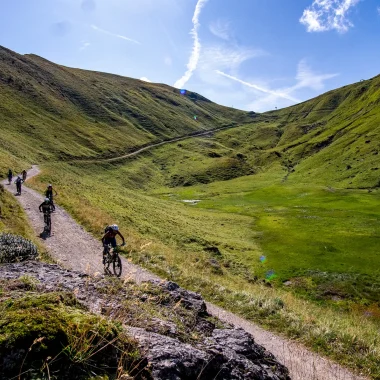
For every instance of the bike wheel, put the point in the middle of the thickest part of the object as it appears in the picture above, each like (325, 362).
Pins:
(107, 259)
(117, 267)
(49, 226)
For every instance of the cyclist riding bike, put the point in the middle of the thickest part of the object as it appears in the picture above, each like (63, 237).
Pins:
(110, 238)
(10, 176)
(18, 183)
(50, 193)
(47, 208)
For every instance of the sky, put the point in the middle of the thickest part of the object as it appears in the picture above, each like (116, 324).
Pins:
(254, 55)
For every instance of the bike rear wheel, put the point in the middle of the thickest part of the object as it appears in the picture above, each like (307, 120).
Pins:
(117, 267)
(48, 224)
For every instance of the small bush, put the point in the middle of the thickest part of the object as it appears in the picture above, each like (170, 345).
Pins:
(15, 248)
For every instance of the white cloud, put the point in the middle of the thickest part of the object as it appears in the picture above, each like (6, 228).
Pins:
(114, 34)
(220, 29)
(275, 93)
(194, 57)
(84, 46)
(223, 58)
(306, 78)
(145, 79)
(325, 15)
(378, 10)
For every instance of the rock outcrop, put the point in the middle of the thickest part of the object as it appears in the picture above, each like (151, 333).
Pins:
(172, 328)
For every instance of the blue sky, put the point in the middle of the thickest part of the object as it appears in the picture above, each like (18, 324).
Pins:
(250, 54)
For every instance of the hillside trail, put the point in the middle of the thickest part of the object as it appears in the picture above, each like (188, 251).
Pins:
(74, 248)
(151, 146)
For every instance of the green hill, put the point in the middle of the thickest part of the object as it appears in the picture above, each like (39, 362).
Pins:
(50, 112)
(332, 140)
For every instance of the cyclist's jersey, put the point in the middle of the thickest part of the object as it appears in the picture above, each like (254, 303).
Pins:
(110, 234)
(46, 208)
(49, 193)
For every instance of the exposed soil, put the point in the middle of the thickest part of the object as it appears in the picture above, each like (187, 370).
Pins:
(74, 248)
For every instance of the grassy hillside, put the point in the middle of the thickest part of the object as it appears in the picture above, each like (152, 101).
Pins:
(50, 112)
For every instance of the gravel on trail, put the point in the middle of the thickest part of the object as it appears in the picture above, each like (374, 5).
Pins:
(74, 248)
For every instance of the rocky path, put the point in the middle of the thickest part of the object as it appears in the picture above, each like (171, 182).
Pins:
(74, 248)
(70, 245)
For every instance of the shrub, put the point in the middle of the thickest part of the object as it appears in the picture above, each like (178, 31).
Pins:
(15, 248)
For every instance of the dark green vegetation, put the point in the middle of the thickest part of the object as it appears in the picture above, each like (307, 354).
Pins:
(299, 186)
(13, 220)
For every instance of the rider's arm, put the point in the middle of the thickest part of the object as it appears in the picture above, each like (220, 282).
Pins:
(40, 207)
(104, 238)
(118, 232)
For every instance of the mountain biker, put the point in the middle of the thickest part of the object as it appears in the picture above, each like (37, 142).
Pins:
(18, 183)
(24, 174)
(10, 176)
(110, 237)
(49, 194)
(46, 207)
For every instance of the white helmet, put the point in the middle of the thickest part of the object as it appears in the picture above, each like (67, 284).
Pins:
(115, 227)
(47, 200)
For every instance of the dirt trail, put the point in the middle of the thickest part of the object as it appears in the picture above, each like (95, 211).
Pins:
(74, 248)
(150, 146)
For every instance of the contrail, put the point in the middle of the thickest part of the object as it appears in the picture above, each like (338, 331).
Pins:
(114, 35)
(194, 57)
(258, 88)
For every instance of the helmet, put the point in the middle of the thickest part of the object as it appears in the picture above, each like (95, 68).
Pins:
(50, 185)
(47, 200)
(115, 227)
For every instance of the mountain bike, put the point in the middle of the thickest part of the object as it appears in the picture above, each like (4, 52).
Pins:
(47, 220)
(111, 256)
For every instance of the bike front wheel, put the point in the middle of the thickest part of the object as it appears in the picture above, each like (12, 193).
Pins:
(117, 266)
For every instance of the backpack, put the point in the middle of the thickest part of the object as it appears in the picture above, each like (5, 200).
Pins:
(107, 229)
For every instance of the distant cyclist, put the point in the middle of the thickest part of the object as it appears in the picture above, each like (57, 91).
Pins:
(50, 193)
(110, 237)
(18, 183)
(10, 176)
(24, 174)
